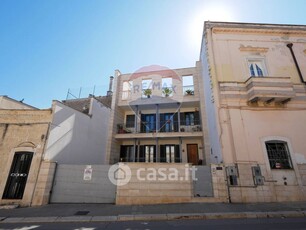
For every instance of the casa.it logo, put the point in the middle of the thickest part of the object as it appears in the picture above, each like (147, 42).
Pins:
(119, 174)
(157, 86)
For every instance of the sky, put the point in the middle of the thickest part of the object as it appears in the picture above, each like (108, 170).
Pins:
(50, 46)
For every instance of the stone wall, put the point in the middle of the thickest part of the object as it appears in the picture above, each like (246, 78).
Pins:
(22, 130)
(171, 190)
(44, 183)
(278, 185)
(153, 192)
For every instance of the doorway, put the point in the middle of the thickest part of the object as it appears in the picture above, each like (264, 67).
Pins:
(192, 154)
(18, 176)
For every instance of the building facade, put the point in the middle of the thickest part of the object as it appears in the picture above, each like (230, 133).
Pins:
(23, 131)
(78, 134)
(158, 115)
(255, 96)
(36, 145)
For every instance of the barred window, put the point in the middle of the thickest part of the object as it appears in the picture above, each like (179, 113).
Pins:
(278, 154)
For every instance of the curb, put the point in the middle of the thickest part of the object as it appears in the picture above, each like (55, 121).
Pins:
(155, 217)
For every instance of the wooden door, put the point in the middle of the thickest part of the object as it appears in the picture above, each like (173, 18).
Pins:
(192, 154)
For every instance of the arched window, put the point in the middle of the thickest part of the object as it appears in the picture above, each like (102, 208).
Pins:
(278, 154)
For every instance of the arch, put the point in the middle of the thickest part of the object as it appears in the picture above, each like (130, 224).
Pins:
(27, 144)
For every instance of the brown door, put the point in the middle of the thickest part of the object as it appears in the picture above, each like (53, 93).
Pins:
(192, 153)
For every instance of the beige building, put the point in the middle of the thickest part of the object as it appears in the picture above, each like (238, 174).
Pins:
(255, 94)
(158, 116)
(23, 133)
(158, 123)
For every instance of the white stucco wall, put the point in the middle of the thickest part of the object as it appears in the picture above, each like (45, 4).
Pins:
(216, 152)
(78, 138)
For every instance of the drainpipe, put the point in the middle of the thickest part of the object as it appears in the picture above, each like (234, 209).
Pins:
(296, 63)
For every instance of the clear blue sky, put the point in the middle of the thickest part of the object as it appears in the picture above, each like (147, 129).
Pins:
(48, 46)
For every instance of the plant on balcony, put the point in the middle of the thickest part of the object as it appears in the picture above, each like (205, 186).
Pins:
(147, 92)
(167, 91)
(120, 128)
(189, 92)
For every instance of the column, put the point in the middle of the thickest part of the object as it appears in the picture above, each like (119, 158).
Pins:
(157, 151)
(136, 119)
(157, 118)
(134, 152)
(180, 141)
(179, 118)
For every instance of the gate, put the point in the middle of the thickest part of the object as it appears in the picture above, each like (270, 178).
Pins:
(82, 184)
(203, 185)
(18, 176)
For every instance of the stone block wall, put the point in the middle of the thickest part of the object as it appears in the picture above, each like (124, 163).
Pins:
(142, 190)
(44, 183)
(22, 130)
(278, 185)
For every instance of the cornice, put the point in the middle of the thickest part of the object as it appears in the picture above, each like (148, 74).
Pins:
(263, 31)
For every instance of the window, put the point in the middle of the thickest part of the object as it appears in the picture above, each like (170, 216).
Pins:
(130, 121)
(146, 86)
(190, 118)
(148, 123)
(256, 67)
(278, 154)
(167, 89)
(168, 122)
(170, 153)
(188, 87)
(126, 153)
(127, 89)
(147, 153)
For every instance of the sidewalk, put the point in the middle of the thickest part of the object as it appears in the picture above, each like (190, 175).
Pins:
(111, 212)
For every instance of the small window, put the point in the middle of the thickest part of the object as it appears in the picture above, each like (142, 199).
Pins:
(130, 121)
(127, 89)
(167, 88)
(278, 154)
(188, 87)
(256, 68)
(146, 86)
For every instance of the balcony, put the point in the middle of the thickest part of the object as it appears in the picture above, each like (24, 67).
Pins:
(269, 89)
(164, 129)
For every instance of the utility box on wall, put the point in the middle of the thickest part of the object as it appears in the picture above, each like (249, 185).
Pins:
(258, 178)
(232, 175)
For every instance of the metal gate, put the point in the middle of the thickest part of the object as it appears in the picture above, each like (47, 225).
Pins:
(202, 187)
(82, 184)
(18, 176)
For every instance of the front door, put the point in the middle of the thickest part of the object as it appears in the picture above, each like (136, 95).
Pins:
(192, 154)
(18, 176)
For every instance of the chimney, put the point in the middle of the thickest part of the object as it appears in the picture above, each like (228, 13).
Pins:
(110, 89)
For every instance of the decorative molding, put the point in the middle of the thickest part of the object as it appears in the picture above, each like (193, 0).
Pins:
(266, 31)
(253, 49)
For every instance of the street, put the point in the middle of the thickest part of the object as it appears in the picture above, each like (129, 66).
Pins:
(250, 224)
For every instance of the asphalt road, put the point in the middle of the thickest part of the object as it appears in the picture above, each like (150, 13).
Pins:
(249, 224)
